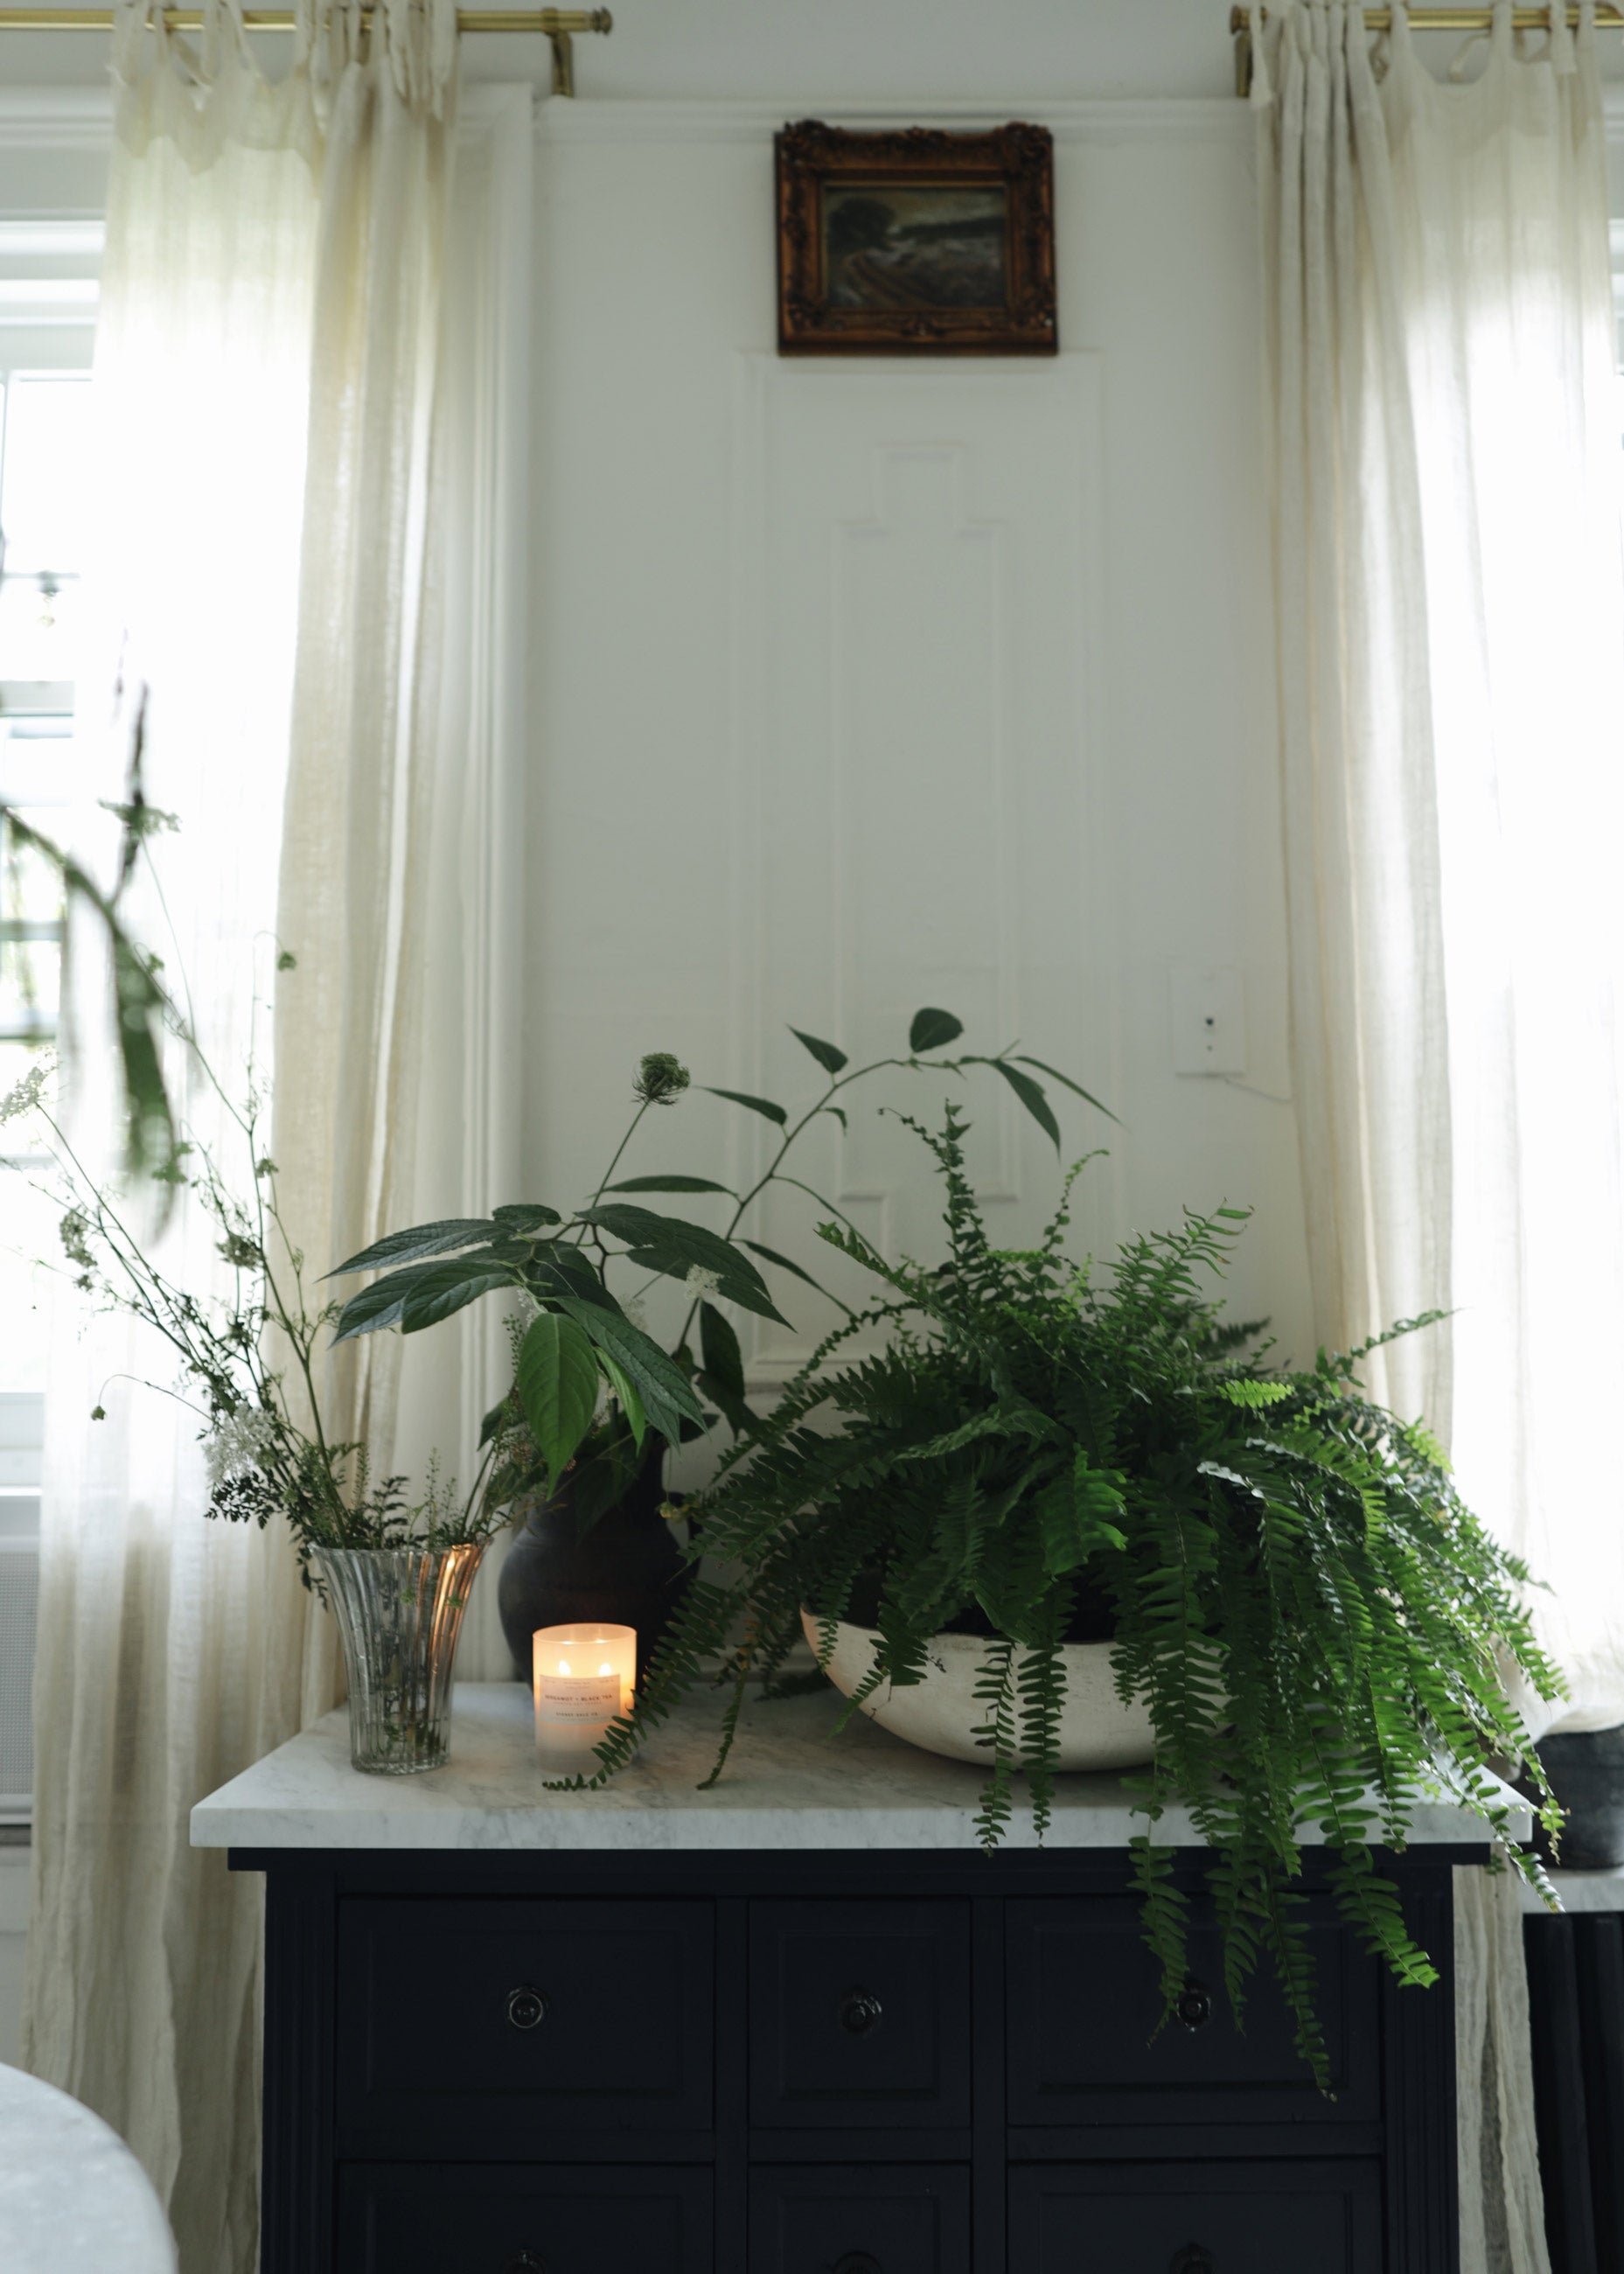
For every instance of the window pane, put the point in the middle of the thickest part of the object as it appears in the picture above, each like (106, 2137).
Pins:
(30, 939)
(31, 1224)
(39, 628)
(45, 482)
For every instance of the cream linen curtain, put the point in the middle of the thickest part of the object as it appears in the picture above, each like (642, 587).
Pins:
(1451, 633)
(266, 373)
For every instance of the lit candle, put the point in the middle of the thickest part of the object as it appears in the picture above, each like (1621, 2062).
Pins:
(584, 1676)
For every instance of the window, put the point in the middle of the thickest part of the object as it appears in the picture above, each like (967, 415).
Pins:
(47, 314)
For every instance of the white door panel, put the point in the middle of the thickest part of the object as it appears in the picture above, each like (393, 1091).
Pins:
(917, 657)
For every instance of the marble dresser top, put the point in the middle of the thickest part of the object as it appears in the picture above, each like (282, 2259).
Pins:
(789, 1782)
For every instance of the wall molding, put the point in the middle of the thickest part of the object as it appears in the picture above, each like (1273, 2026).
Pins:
(1201, 118)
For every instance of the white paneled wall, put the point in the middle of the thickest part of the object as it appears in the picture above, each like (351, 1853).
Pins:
(862, 684)
(917, 646)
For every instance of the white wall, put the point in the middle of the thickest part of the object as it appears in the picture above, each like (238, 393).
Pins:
(681, 754)
(821, 53)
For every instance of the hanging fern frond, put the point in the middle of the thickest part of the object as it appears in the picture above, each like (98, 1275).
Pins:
(1316, 1623)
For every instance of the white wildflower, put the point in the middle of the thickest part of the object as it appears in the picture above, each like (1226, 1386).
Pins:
(25, 1095)
(239, 1441)
(636, 1314)
(701, 1282)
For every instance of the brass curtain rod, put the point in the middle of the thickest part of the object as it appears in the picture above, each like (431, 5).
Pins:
(557, 24)
(1421, 19)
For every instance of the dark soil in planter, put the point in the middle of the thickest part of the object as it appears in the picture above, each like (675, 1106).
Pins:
(1093, 1618)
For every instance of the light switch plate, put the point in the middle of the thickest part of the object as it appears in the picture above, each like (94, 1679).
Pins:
(1209, 1020)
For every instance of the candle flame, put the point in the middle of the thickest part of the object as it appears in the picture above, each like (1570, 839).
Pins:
(563, 1666)
(605, 1668)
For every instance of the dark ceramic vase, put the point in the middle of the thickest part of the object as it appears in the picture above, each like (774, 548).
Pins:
(628, 1571)
(1586, 1769)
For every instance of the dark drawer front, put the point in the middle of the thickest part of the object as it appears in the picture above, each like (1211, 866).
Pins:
(447, 2218)
(1084, 1998)
(860, 2013)
(895, 2219)
(497, 2027)
(1196, 2218)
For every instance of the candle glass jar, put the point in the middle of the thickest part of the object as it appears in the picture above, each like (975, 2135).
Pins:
(400, 1614)
(584, 1676)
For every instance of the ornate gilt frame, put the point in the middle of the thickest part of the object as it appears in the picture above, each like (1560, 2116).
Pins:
(812, 157)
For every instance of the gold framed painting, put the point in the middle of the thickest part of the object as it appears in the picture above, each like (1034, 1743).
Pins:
(917, 242)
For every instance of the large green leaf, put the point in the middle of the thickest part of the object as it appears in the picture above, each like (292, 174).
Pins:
(625, 1389)
(559, 1268)
(757, 1104)
(521, 1216)
(1066, 1082)
(771, 1255)
(932, 1029)
(557, 1375)
(423, 1239)
(381, 1305)
(719, 1348)
(668, 1245)
(828, 1057)
(1031, 1095)
(443, 1288)
(673, 1185)
(667, 1397)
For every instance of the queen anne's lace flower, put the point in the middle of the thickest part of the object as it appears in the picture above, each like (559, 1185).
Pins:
(238, 1441)
(24, 1096)
(701, 1282)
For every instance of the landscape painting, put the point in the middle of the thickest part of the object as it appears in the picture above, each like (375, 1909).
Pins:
(916, 242)
(932, 247)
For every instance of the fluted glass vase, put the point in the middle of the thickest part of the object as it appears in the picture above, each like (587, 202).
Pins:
(400, 1612)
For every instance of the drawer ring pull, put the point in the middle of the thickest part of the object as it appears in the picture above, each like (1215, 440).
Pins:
(1194, 2011)
(527, 2009)
(860, 2015)
(858, 2262)
(1191, 2260)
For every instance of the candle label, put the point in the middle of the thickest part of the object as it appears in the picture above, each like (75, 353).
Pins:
(576, 1699)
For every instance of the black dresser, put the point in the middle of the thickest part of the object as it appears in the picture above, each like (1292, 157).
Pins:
(686, 2049)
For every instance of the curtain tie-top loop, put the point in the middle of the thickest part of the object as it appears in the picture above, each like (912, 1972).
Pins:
(1563, 61)
(1262, 84)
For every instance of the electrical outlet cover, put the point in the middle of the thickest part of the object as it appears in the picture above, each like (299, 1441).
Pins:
(1209, 1020)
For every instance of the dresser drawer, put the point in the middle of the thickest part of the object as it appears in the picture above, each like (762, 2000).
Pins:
(447, 2218)
(885, 2219)
(860, 2014)
(1196, 2218)
(501, 2027)
(1084, 1999)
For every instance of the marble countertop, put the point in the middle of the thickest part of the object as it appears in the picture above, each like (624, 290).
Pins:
(789, 1782)
(73, 2200)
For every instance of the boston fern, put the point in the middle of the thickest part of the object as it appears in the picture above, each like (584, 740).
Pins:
(1318, 1626)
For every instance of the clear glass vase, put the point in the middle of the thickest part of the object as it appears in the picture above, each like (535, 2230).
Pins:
(400, 1612)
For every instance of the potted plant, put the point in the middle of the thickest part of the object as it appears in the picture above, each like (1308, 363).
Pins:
(245, 1336)
(1043, 1456)
(594, 1406)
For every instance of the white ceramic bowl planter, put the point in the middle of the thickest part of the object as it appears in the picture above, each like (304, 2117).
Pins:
(942, 1713)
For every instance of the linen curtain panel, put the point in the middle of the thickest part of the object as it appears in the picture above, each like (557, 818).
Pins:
(266, 367)
(1450, 599)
